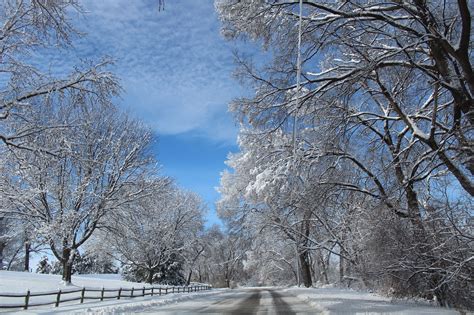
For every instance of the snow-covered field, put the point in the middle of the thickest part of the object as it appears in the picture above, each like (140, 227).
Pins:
(20, 282)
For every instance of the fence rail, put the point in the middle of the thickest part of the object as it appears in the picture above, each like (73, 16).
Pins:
(61, 296)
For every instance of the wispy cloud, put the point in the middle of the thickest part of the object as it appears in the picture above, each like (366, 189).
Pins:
(175, 67)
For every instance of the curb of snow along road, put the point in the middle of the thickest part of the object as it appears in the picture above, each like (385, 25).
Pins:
(140, 305)
(311, 302)
(341, 301)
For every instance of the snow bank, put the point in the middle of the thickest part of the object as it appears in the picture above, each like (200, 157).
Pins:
(342, 301)
(141, 305)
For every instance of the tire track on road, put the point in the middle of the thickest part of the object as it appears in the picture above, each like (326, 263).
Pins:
(248, 306)
(281, 307)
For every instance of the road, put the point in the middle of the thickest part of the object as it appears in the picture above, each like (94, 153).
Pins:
(239, 301)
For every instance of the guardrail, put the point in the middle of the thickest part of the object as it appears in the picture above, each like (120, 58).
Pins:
(99, 294)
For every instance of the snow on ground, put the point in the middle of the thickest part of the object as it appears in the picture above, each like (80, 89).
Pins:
(118, 307)
(327, 300)
(20, 282)
(344, 301)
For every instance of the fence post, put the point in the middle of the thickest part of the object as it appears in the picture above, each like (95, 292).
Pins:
(131, 295)
(152, 288)
(172, 290)
(166, 290)
(58, 298)
(119, 294)
(102, 294)
(160, 290)
(83, 292)
(27, 299)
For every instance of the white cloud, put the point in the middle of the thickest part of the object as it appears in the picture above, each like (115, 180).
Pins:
(174, 66)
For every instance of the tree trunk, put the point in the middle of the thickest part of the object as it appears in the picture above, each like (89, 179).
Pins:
(2, 247)
(304, 257)
(341, 259)
(189, 277)
(341, 269)
(27, 256)
(323, 268)
(150, 275)
(325, 274)
(305, 269)
(67, 262)
(227, 278)
(199, 274)
(67, 272)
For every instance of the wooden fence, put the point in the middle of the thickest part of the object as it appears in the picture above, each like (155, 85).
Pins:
(98, 294)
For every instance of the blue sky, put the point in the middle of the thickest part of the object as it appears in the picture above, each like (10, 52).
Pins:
(176, 72)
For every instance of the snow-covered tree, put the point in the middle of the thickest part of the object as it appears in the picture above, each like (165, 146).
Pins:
(44, 266)
(149, 236)
(191, 256)
(10, 244)
(221, 262)
(94, 263)
(379, 131)
(36, 26)
(387, 51)
(100, 153)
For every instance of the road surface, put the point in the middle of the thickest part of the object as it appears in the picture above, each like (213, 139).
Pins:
(238, 301)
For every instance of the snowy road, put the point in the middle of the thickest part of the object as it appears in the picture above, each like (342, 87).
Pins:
(239, 301)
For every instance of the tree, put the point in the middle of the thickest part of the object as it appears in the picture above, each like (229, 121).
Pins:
(365, 43)
(191, 256)
(43, 266)
(65, 197)
(221, 262)
(150, 236)
(34, 25)
(7, 240)
(383, 118)
(90, 262)
(274, 186)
